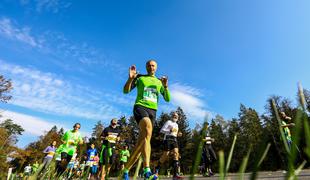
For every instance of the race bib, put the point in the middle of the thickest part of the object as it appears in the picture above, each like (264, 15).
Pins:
(51, 153)
(150, 94)
(71, 143)
(174, 131)
(111, 138)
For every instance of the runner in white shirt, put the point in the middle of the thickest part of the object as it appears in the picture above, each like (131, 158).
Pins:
(27, 170)
(171, 132)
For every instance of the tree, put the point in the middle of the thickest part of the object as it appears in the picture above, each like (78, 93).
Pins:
(251, 133)
(277, 156)
(307, 97)
(216, 132)
(8, 139)
(185, 142)
(5, 87)
(12, 128)
(34, 151)
(233, 129)
(97, 130)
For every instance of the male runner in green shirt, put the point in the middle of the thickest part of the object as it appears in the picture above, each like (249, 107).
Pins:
(286, 124)
(71, 139)
(148, 89)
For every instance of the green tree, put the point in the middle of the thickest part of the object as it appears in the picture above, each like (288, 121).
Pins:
(233, 129)
(34, 150)
(5, 88)
(185, 142)
(8, 138)
(276, 158)
(251, 133)
(12, 128)
(307, 97)
(95, 136)
(216, 132)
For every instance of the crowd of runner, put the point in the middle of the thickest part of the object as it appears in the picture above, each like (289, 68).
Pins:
(98, 163)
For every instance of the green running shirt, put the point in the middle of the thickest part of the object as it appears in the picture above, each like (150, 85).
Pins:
(124, 154)
(287, 131)
(71, 140)
(148, 89)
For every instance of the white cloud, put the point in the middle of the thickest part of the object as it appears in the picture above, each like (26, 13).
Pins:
(11, 31)
(33, 125)
(49, 93)
(40, 6)
(190, 100)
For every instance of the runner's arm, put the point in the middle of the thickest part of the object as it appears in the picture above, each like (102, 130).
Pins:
(128, 86)
(130, 83)
(165, 93)
(65, 137)
(46, 150)
(165, 129)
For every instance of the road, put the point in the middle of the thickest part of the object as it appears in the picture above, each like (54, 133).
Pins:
(266, 175)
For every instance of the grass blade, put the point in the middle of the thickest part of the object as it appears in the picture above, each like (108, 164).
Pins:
(221, 165)
(244, 164)
(230, 154)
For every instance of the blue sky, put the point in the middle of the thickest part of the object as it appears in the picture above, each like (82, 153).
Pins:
(68, 60)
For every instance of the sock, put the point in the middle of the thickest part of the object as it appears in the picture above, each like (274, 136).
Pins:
(146, 169)
(176, 165)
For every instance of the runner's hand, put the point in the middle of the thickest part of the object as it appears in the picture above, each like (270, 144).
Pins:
(132, 72)
(164, 81)
(180, 134)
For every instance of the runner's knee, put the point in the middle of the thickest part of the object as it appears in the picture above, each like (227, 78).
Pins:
(146, 127)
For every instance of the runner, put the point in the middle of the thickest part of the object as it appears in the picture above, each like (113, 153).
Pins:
(124, 155)
(148, 89)
(35, 167)
(58, 168)
(171, 131)
(49, 151)
(110, 136)
(94, 168)
(286, 124)
(91, 154)
(208, 154)
(71, 139)
(27, 171)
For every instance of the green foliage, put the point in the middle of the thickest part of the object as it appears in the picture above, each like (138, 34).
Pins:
(5, 88)
(8, 139)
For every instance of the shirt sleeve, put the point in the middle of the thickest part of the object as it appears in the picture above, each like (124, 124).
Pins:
(80, 138)
(135, 82)
(165, 129)
(46, 149)
(104, 132)
(165, 93)
(65, 136)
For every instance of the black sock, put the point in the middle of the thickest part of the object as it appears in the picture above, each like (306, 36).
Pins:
(176, 166)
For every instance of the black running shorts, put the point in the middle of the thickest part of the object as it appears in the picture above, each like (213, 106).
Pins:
(170, 144)
(140, 112)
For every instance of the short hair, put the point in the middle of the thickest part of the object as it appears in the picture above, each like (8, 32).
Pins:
(114, 119)
(76, 124)
(150, 61)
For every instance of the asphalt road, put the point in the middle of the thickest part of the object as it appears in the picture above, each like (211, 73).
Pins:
(266, 175)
